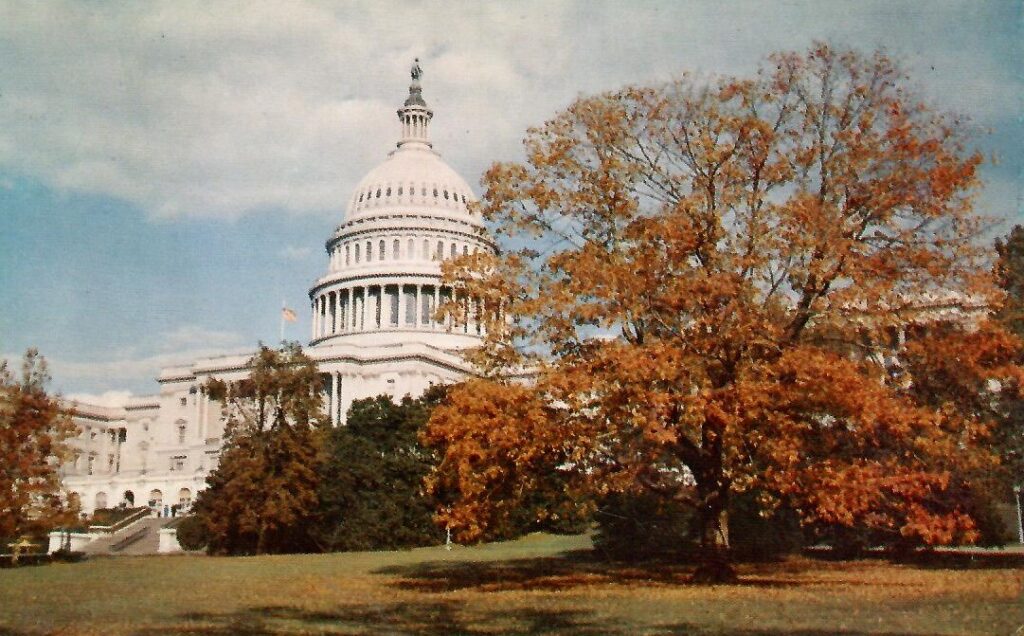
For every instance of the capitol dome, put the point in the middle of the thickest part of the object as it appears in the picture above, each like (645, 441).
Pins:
(407, 215)
(412, 179)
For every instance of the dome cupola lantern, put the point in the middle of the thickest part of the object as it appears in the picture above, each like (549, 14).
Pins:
(414, 114)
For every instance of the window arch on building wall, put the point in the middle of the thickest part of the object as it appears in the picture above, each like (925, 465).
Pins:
(409, 246)
(369, 251)
(426, 249)
(440, 250)
(101, 499)
(357, 252)
(380, 250)
(395, 244)
(182, 427)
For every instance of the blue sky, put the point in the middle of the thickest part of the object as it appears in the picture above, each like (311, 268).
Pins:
(169, 171)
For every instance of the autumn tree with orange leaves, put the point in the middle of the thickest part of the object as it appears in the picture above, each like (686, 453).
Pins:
(34, 428)
(713, 296)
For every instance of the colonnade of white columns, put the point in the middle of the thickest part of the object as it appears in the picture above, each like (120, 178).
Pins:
(416, 125)
(363, 308)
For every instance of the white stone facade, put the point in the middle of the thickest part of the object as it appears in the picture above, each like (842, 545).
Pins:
(373, 331)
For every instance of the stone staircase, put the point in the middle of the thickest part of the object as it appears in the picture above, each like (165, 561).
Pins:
(141, 537)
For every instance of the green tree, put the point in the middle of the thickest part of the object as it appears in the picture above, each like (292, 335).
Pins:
(1010, 276)
(371, 489)
(1009, 433)
(33, 431)
(262, 497)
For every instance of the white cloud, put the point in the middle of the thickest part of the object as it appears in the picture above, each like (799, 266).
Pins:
(221, 109)
(107, 398)
(131, 370)
(295, 253)
(139, 366)
(187, 337)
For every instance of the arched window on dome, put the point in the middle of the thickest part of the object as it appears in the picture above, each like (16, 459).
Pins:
(465, 250)
(453, 251)
(380, 250)
(445, 195)
(409, 249)
(369, 251)
(357, 252)
(399, 190)
(423, 191)
(378, 193)
(395, 249)
(388, 192)
(426, 249)
(435, 193)
(347, 254)
(440, 251)
(360, 197)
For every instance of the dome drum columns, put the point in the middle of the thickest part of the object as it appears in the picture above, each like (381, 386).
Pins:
(390, 306)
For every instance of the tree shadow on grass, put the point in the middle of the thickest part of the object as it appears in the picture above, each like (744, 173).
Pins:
(571, 570)
(432, 618)
(437, 618)
(586, 568)
(943, 559)
(964, 560)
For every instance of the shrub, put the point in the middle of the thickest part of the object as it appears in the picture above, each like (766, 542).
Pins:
(192, 533)
(646, 526)
(643, 526)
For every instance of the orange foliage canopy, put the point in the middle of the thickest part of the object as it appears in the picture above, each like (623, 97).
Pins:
(34, 428)
(712, 294)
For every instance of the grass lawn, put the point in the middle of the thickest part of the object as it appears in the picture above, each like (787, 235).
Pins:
(539, 584)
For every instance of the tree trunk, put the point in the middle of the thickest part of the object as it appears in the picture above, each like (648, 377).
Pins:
(261, 539)
(715, 559)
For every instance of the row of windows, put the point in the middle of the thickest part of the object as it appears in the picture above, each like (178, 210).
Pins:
(359, 251)
(386, 191)
(90, 465)
(156, 498)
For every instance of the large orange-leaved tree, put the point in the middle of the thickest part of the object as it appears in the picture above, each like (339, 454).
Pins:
(712, 287)
(34, 429)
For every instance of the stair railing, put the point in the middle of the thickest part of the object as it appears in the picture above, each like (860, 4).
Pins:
(141, 513)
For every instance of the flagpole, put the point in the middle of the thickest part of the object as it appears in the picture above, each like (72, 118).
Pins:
(282, 321)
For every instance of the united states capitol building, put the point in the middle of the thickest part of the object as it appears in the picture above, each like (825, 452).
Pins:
(373, 331)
